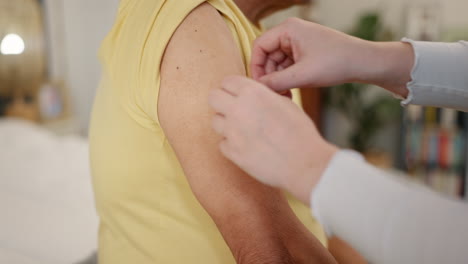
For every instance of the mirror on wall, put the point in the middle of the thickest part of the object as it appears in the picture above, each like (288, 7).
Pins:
(22, 58)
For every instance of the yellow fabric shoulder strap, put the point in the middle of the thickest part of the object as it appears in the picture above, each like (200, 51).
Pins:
(136, 45)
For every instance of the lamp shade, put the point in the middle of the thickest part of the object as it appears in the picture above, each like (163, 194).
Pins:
(22, 55)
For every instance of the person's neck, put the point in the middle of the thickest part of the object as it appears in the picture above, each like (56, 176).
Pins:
(255, 10)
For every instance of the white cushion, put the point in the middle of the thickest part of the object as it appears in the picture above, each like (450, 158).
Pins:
(47, 211)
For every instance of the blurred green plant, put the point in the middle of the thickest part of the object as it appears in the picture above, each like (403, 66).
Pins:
(368, 116)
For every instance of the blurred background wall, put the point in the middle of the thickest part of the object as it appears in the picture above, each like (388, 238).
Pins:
(77, 27)
(338, 13)
(46, 176)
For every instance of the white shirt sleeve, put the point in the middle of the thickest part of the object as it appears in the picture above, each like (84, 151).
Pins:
(388, 219)
(440, 75)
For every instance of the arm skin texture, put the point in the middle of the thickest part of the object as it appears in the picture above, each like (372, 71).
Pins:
(255, 221)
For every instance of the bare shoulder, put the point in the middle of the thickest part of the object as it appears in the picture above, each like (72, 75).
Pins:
(201, 53)
(202, 40)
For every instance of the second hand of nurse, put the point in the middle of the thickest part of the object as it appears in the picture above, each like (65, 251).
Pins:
(271, 138)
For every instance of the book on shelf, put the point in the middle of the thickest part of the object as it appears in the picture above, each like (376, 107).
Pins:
(434, 145)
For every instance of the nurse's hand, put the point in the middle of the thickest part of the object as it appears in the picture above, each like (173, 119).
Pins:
(303, 54)
(269, 137)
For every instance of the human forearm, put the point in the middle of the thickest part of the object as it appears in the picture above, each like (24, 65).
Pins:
(374, 211)
(425, 73)
(260, 227)
(290, 56)
(302, 245)
(386, 64)
(252, 238)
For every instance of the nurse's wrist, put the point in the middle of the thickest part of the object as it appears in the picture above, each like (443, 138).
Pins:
(302, 184)
(389, 66)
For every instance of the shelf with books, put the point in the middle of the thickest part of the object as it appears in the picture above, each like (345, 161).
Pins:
(435, 148)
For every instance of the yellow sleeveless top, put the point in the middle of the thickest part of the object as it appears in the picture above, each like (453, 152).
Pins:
(148, 213)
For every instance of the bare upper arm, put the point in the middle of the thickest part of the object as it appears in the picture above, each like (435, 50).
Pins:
(255, 220)
(200, 54)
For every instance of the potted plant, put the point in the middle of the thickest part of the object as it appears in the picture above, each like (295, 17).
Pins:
(367, 116)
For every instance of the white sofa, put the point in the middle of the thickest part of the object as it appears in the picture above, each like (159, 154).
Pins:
(47, 213)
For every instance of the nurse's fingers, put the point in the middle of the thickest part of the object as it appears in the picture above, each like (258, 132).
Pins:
(277, 61)
(227, 150)
(232, 84)
(286, 78)
(219, 123)
(286, 63)
(278, 56)
(270, 66)
(237, 85)
(263, 46)
(221, 101)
